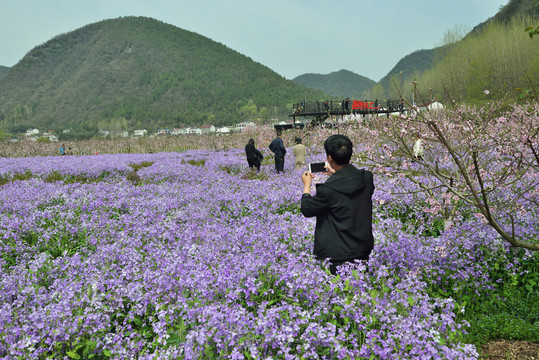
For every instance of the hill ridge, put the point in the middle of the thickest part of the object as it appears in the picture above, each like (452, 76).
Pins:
(143, 71)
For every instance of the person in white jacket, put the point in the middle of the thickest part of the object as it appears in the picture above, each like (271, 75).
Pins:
(417, 150)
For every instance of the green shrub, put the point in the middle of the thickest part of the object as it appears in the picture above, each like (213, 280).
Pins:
(23, 176)
(233, 169)
(141, 165)
(199, 162)
(53, 176)
(134, 178)
(255, 175)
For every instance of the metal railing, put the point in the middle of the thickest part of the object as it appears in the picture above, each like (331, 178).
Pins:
(344, 107)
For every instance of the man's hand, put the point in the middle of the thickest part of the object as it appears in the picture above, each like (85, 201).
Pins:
(307, 178)
(330, 171)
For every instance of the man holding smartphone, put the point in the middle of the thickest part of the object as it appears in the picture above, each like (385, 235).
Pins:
(342, 206)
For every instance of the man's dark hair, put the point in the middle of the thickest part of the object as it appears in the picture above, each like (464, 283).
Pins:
(279, 132)
(340, 148)
(298, 140)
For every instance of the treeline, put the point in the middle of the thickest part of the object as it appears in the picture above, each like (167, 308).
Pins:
(498, 62)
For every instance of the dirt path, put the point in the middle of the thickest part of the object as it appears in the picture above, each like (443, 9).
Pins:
(510, 350)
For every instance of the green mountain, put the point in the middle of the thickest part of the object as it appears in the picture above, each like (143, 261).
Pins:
(340, 84)
(139, 72)
(3, 71)
(408, 67)
(512, 9)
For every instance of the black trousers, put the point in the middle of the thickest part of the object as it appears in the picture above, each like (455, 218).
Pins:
(279, 163)
(254, 163)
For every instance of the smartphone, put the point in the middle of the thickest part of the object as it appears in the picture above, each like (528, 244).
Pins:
(317, 167)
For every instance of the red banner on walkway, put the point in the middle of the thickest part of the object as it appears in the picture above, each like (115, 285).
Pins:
(364, 105)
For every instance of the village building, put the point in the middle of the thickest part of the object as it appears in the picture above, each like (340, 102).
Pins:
(49, 135)
(176, 131)
(243, 125)
(32, 132)
(193, 131)
(207, 129)
(163, 132)
(140, 133)
(225, 130)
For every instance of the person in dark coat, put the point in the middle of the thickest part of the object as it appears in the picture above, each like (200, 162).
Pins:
(342, 206)
(277, 147)
(254, 156)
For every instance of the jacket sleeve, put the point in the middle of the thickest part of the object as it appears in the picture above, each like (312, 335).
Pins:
(314, 205)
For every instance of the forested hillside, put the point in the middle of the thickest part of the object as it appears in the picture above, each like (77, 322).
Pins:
(497, 55)
(410, 66)
(145, 73)
(499, 62)
(341, 84)
(3, 71)
(509, 11)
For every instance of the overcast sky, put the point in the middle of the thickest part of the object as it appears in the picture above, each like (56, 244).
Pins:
(291, 37)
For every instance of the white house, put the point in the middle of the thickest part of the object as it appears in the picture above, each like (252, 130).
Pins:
(225, 130)
(32, 132)
(206, 129)
(179, 131)
(49, 135)
(140, 133)
(119, 133)
(243, 125)
(193, 131)
(163, 132)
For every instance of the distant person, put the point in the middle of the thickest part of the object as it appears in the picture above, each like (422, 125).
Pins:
(69, 151)
(300, 152)
(346, 104)
(342, 206)
(278, 149)
(254, 156)
(417, 150)
(62, 150)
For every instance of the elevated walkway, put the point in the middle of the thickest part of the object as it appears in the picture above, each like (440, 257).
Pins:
(320, 111)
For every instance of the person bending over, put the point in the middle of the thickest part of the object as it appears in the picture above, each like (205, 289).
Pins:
(254, 156)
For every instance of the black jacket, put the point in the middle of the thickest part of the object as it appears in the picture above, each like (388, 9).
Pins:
(253, 154)
(343, 210)
(277, 147)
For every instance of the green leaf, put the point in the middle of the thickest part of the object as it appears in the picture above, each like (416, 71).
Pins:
(137, 322)
(73, 355)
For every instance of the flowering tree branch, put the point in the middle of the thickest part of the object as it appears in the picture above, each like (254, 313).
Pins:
(484, 159)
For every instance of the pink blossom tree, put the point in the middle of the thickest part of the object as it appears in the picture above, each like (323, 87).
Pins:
(481, 159)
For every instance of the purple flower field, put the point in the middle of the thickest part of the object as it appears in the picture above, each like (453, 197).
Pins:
(193, 257)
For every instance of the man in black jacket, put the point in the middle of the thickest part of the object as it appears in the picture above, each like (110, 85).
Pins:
(342, 206)
(277, 147)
